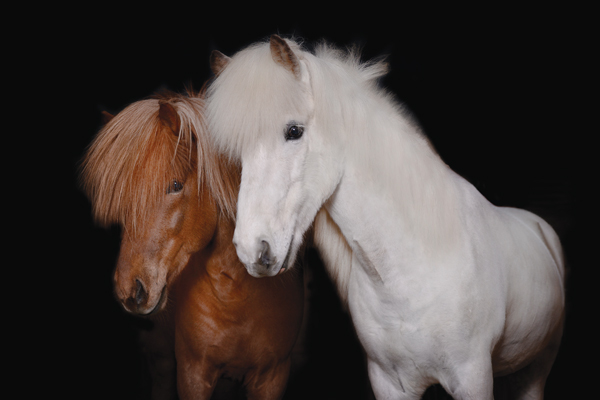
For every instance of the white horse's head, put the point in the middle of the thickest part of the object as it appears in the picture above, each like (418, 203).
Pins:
(261, 110)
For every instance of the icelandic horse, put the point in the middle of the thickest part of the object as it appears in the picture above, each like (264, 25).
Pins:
(442, 286)
(152, 170)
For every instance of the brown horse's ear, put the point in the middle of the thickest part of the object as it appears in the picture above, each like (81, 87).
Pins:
(218, 61)
(106, 117)
(169, 118)
(283, 55)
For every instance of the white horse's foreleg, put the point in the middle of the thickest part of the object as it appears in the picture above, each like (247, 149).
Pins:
(389, 387)
(473, 380)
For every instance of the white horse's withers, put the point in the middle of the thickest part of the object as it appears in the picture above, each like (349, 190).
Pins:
(442, 286)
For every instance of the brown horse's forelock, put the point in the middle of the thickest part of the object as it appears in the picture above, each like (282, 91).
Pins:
(131, 162)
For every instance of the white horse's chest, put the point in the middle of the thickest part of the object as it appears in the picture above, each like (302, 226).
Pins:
(397, 316)
(399, 332)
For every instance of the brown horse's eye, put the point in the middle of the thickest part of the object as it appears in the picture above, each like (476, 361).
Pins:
(174, 187)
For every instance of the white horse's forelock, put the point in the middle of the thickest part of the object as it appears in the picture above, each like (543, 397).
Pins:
(253, 92)
(249, 98)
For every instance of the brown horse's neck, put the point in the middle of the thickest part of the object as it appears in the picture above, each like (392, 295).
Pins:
(224, 258)
(214, 273)
(218, 263)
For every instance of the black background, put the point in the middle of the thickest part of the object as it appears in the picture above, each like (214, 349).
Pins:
(503, 93)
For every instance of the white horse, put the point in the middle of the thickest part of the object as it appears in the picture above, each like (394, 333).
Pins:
(442, 286)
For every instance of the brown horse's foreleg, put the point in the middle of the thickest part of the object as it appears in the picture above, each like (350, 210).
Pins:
(157, 344)
(196, 380)
(270, 384)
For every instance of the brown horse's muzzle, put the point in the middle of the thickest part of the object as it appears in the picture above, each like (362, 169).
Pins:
(137, 302)
(140, 289)
(138, 299)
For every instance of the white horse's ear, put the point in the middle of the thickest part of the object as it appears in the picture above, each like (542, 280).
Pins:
(218, 61)
(283, 55)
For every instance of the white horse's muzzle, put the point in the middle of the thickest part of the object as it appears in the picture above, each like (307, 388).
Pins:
(260, 260)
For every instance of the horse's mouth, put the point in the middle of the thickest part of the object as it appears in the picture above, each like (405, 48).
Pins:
(286, 261)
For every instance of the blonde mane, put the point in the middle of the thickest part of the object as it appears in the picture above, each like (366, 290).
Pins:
(131, 162)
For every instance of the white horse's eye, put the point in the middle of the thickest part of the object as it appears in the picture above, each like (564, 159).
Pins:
(174, 187)
(294, 132)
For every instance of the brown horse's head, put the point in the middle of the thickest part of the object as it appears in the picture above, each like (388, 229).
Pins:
(177, 226)
(151, 169)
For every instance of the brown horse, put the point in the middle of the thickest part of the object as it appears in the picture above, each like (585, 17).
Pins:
(151, 169)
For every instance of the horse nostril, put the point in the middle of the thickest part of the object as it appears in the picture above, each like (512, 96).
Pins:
(140, 294)
(264, 256)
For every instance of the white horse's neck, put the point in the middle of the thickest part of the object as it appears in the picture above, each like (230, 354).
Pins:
(405, 185)
(396, 203)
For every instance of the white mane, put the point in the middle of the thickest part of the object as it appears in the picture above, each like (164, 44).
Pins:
(386, 142)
